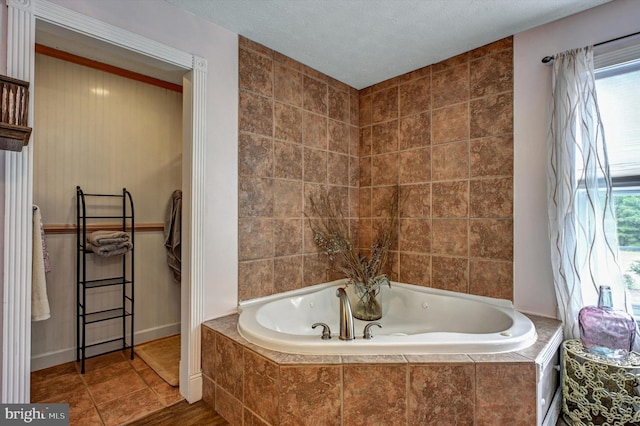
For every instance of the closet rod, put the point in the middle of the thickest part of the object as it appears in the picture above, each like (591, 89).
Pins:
(548, 59)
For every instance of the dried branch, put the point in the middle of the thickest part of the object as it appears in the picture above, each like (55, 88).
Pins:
(331, 234)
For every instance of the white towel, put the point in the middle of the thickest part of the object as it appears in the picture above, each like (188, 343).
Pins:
(39, 300)
(45, 252)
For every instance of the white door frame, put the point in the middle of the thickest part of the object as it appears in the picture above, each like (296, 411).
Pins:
(16, 320)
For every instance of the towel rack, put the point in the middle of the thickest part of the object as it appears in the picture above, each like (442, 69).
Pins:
(122, 312)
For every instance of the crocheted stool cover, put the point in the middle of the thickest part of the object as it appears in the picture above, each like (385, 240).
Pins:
(599, 391)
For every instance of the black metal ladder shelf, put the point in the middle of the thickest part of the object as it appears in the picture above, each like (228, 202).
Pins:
(124, 312)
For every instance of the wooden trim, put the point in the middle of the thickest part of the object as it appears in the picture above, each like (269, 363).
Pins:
(70, 57)
(65, 228)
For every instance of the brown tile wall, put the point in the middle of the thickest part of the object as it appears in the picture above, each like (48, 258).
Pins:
(297, 133)
(444, 133)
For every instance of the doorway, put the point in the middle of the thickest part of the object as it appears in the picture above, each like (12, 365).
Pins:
(23, 21)
(103, 128)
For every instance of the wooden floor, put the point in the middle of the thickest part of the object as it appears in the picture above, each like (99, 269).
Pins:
(183, 414)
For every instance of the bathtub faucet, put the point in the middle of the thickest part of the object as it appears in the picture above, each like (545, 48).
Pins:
(346, 318)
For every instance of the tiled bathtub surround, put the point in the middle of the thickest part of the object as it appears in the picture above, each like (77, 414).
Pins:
(444, 133)
(250, 385)
(297, 133)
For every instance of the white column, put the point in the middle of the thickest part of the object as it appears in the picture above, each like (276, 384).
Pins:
(194, 195)
(16, 321)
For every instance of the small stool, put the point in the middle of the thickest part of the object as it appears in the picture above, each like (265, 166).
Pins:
(598, 391)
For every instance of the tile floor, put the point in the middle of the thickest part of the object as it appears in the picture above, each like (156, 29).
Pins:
(114, 390)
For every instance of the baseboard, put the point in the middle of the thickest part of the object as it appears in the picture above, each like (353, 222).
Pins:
(49, 359)
(157, 333)
(192, 391)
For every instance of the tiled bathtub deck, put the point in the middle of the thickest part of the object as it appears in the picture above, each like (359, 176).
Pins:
(249, 385)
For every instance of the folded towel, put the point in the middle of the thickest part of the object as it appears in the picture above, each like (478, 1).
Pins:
(39, 300)
(103, 238)
(110, 249)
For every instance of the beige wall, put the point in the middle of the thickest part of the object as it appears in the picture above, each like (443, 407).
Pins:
(444, 133)
(130, 137)
(534, 290)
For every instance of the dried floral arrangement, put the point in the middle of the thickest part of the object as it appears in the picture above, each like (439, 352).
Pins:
(331, 234)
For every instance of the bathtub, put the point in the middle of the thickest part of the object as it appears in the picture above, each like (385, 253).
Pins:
(415, 320)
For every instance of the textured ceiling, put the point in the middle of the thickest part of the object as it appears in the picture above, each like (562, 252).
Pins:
(363, 42)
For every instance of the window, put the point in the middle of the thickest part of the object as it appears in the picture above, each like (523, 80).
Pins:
(618, 91)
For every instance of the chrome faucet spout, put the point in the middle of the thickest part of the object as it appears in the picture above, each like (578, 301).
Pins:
(346, 318)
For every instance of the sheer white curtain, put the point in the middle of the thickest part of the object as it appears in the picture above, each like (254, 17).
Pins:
(582, 226)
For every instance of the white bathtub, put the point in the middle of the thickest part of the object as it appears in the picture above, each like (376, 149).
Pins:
(415, 320)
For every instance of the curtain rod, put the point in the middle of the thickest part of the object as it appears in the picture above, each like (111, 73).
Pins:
(548, 59)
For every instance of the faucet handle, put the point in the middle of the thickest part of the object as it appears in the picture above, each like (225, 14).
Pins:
(326, 331)
(367, 330)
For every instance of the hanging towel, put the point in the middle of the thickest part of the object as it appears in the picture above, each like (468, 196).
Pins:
(173, 233)
(39, 300)
(105, 238)
(45, 252)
